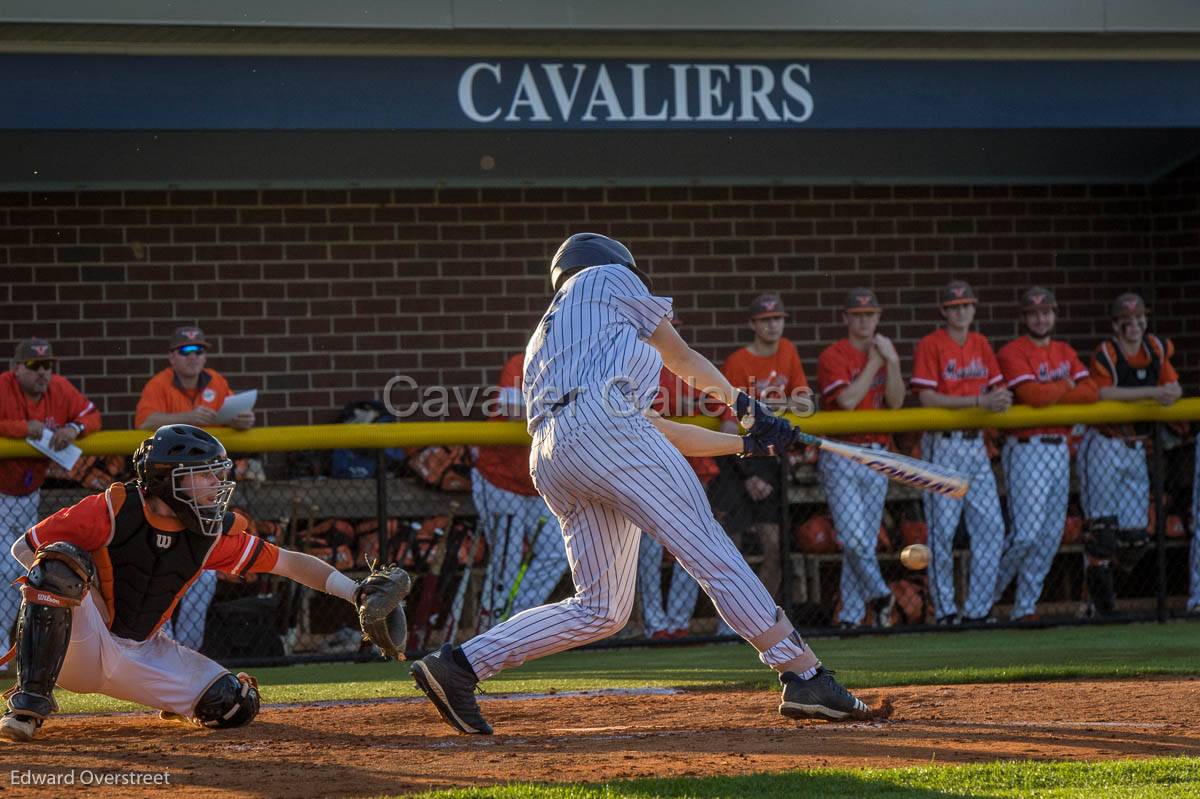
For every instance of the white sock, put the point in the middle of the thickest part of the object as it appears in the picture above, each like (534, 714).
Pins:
(808, 675)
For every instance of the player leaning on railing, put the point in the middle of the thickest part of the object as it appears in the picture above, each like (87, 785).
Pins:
(107, 572)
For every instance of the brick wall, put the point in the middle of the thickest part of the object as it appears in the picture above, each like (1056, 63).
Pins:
(316, 298)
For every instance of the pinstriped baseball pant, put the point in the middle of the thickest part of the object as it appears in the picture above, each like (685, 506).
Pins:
(1039, 483)
(606, 484)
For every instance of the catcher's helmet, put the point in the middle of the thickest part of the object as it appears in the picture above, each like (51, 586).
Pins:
(176, 452)
(591, 249)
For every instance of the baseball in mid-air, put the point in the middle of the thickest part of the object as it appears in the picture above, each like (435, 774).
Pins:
(915, 556)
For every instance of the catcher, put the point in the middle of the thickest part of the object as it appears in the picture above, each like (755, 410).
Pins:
(106, 573)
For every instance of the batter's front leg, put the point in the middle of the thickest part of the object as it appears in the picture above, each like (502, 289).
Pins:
(602, 550)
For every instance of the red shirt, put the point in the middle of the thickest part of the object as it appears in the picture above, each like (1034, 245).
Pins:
(1043, 376)
(677, 398)
(957, 371)
(840, 365)
(507, 466)
(62, 403)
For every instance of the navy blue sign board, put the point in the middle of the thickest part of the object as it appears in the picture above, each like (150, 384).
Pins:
(99, 92)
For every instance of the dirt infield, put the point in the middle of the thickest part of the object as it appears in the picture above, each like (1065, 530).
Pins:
(367, 750)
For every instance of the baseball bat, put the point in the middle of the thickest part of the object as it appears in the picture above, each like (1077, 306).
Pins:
(901, 468)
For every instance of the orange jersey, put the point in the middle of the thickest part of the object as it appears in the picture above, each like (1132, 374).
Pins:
(677, 398)
(773, 378)
(163, 394)
(840, 365)
(942, 365)
(92, 524)
(1104, 364)
(507, 467)
(1040, 376)
(61, 404)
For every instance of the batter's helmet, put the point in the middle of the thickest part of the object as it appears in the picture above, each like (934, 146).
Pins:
(178, 451)
(591, 249)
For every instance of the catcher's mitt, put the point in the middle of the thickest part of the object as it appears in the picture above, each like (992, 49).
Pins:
(379, 599)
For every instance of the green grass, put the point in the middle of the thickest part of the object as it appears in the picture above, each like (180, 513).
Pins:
(929, 658)
(1176, 778)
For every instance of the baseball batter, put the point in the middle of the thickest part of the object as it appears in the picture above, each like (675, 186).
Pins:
(514, 517)
(107, 572)
(608, 469)
(1115, 476)
(955, 367)
(1037, 461)
(860, 372)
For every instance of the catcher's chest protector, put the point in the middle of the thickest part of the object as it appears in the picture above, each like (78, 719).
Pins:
(150, 567)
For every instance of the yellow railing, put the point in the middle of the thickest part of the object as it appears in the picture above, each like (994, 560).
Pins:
(826, 423)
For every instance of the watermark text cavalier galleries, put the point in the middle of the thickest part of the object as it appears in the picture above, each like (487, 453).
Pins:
(89, 777)
(404, 397)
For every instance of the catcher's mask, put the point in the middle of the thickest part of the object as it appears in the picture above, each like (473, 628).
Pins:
(591, 249)
(188, 469)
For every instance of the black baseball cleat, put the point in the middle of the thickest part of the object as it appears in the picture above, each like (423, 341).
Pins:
(451, 688)
(822, 697)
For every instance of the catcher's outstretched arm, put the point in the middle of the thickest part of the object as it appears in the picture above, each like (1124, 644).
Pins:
(315, 573)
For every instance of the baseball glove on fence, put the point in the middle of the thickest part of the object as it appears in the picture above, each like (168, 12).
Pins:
(379, 599)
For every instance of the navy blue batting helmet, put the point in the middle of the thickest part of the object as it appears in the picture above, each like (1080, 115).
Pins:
(591, 249)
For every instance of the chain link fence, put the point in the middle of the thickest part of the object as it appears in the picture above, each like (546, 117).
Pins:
(1095, 524)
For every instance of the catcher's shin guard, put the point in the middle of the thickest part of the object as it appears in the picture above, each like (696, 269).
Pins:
(58, 580)
(229, 702)
(1100, 589)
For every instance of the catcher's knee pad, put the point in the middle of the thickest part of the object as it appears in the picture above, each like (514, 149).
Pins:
(58, 580)
(229, 702)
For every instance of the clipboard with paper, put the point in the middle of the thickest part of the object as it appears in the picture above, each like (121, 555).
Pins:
(236, 404)
(65, 457)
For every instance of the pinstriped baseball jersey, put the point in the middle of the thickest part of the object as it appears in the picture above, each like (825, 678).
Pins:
(591, 340)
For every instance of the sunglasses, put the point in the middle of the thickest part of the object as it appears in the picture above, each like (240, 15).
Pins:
(191, 349)
(35, 366)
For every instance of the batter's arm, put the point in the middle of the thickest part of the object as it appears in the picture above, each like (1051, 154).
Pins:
(314, 573)
(22, 553)
(692, 367)
(697, 442)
